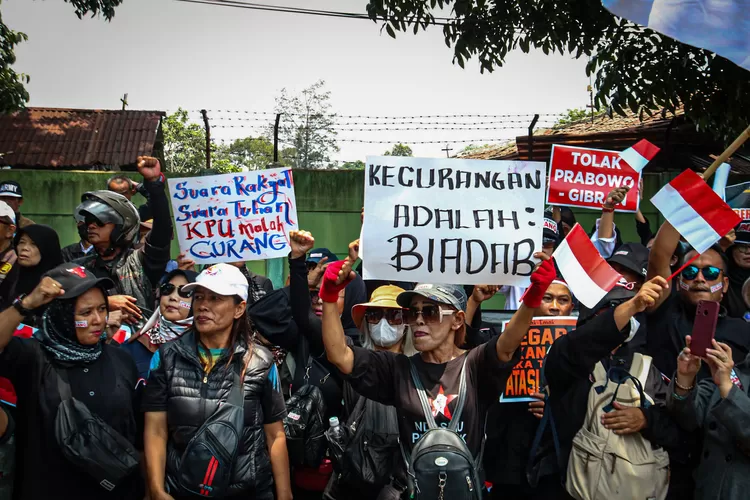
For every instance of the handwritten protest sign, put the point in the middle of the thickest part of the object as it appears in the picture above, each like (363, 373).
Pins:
(526, 376)
(452, 221)
(583, 177)
(234, 217)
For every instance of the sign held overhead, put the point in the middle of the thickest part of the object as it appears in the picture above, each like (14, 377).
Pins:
(452, 221)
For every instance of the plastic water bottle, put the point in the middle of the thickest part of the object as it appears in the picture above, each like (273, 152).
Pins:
(336, 433)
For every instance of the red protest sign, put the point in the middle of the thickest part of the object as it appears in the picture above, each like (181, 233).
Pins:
(525, 378)
(583, 177)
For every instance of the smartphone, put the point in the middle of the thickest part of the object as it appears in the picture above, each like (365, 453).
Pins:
(704, 327)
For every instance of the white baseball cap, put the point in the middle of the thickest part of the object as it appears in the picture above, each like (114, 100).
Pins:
(222, 279)
(7, 213)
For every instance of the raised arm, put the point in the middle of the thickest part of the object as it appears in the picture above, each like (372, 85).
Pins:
(573, 356)
(665, 244)
(156, 251)
(44, 293)
(607, 221)
(299, 291)
(336, 277)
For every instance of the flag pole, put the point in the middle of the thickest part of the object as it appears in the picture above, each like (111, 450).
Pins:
(739, 141)
(683, 267)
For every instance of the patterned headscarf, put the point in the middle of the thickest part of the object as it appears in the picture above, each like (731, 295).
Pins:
(58, 335)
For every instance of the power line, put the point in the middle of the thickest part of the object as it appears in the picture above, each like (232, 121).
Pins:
(438, 21)
(398, 123)
(493, 139)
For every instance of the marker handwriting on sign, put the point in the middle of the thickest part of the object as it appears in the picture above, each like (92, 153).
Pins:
(234, 217)
(452, 221)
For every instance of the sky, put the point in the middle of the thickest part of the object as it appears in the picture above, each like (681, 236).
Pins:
(167, 54)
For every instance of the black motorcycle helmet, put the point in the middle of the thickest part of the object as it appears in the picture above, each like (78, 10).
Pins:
(108, 207)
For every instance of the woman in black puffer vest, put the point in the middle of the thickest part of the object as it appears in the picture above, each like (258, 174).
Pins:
(191, 378)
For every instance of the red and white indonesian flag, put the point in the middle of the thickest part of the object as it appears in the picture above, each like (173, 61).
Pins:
(587, 274)
(639, 154)
(695, 210)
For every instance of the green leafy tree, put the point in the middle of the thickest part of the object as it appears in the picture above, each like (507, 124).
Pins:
(256, 153)
(636, 68)
(307, 126)
(399, 150)
(185, 148)
(13, 94)
(572, 116)
(352, 165)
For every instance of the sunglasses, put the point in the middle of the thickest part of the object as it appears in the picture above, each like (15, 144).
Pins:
(392, 316)
(430, 314)
(93, 220)
(710, 273)
(168, 288)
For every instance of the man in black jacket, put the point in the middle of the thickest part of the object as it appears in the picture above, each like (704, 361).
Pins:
(113, 224)
(603, 337)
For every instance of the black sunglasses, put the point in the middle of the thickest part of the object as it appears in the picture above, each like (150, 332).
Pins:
(710, 273)
(392, 316)
(93, 220)
(168, 288)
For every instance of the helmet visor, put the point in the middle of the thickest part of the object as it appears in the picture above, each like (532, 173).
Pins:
(97, 212)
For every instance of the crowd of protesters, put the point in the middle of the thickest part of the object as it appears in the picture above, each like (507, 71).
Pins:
(338, 388)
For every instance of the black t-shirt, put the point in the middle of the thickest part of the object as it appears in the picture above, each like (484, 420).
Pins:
(673, 321)
(385, 377)
(107, 387)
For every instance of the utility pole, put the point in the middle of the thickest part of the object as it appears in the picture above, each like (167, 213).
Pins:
(276, 138)
(590, 90)
(447, 150)
(124, 101)
(204, 113)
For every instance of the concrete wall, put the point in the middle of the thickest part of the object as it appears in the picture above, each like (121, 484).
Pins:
(329, 204)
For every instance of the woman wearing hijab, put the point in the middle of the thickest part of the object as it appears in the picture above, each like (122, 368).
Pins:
(214, 369)
(38, 250)
(69, 349)
(170, 320)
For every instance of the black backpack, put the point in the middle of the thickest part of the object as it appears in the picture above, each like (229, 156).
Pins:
(205, 467)
(372, 454)
(441, 466)
(304, 426)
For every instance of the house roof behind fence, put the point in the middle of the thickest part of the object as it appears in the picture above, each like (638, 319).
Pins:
(77, 138)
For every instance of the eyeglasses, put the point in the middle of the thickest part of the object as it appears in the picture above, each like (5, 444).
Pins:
(710, 273)
(392, 316)
(430, 314)
(168, 288)
(314, 296)
(742, 248)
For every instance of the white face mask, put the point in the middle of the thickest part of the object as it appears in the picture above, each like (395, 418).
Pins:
(384, 334)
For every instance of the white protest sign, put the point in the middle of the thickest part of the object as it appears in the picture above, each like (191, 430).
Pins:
(452, 221)
(234, 217)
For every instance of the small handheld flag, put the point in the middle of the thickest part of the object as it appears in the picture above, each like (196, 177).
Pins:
(587, 274)
(639, 154)
(695, 210)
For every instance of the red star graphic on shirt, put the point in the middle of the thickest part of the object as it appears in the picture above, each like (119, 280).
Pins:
(441, 402)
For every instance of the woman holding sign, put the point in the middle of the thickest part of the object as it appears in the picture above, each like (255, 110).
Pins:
(455, 386)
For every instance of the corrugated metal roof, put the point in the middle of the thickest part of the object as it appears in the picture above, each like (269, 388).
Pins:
(77, 138)
(682, 145)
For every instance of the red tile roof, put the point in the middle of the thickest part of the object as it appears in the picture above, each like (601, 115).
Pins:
(77, 138)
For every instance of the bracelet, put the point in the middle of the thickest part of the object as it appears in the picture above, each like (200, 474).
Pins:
(607, 210)
(682, 386)
(678, 397)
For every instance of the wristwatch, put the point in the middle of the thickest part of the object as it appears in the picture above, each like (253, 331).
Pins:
(18, 304)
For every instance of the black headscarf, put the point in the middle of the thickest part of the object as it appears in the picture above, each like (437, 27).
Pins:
(58, 335)
(45, 238)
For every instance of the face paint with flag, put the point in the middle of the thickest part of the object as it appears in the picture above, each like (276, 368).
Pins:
(695, 210)
(587, 274)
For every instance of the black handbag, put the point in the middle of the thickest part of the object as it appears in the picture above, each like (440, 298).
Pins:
(89, 442)
(205, 467)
